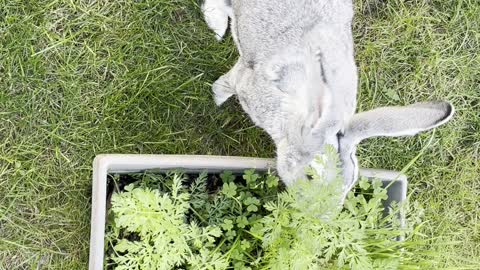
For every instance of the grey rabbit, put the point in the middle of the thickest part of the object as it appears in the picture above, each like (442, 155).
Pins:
(296, 78)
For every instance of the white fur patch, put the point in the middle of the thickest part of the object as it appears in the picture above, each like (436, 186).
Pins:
(216, 15)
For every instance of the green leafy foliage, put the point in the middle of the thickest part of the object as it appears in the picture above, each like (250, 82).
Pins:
(165, 239)
(252, 223)
(229, 189)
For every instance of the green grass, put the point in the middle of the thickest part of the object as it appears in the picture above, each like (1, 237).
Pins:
(79, 78)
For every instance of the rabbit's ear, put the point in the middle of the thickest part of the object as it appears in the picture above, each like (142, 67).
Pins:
(398, 121)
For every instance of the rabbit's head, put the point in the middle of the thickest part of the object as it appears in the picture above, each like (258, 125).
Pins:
(291, 100)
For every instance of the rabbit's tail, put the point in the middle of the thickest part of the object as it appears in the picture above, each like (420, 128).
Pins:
(216, 14)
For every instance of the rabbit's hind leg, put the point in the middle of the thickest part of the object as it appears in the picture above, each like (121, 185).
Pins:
(216, 14)
(225, 86)
(222, 89)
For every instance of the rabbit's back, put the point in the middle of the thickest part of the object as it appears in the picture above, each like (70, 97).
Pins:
(263, 28)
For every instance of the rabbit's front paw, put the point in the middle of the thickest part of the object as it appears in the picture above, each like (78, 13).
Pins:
(221, 92)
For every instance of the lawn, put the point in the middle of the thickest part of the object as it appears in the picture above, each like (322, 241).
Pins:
(84, 77)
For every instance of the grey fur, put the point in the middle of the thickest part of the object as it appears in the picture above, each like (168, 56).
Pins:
(296, 75)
